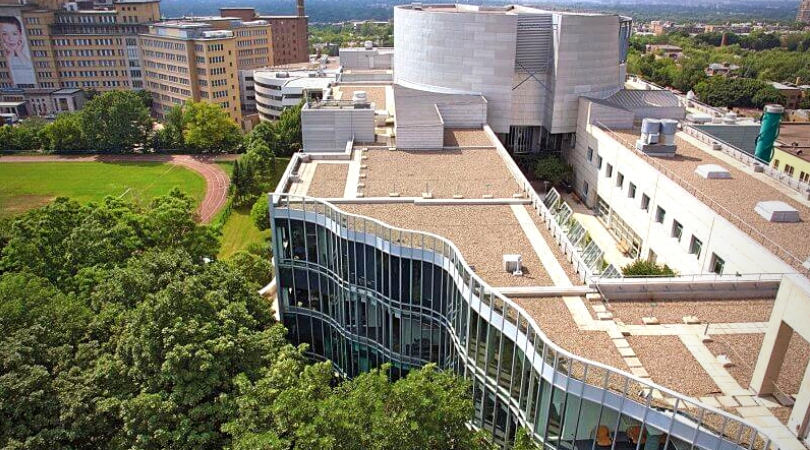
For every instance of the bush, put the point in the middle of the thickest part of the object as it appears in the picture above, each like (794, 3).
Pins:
(554, 170)
(643, 267)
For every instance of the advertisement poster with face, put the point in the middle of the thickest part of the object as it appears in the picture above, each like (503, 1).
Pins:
(15, 46)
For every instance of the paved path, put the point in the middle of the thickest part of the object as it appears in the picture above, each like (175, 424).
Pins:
(217, 181)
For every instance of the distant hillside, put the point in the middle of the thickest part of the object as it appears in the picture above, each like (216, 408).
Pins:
(643, 10)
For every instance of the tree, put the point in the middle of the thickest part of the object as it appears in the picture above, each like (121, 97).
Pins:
(287, 137)
(554, 170)
(260, 213)
(643, 267)
(115, 121)
(207, 128)
(64, 134)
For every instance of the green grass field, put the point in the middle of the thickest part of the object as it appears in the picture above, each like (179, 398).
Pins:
(28, 185)
(239, 232)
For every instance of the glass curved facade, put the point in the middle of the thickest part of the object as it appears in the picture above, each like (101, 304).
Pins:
(362, 293)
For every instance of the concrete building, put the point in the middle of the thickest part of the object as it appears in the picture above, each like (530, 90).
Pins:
(367, 57)
(74, 46)
(531, 65)
(804, 12)
(427, 244)
(276, 90)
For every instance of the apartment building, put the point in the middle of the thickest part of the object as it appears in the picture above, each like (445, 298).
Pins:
(201, 58)
(73, 45)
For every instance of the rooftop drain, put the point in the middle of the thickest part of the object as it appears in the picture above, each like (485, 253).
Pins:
(776, 211)
(712, 172)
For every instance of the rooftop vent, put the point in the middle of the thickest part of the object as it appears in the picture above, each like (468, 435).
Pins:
(359, 97)
(416, 5)
(513, 264)
(657, 137)
(283, 75)
(776, 211)
(712, 172)
(730, 118)
(368, 45)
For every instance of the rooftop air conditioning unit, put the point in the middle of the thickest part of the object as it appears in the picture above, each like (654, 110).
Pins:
(513, 264)
(283, 75)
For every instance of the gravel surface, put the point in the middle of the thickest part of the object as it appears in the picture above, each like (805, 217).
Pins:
(375, 94)
(670, 364)
(713, 311)
(328, 181)
(464, 137)
(743, 349)
(555, 320)
(445, 173)
(782, 413)
(482, 233)
(738, 195)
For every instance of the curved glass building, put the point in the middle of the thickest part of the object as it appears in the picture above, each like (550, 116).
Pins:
(362, 293)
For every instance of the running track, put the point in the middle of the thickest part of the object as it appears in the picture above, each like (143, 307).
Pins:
(217, 181)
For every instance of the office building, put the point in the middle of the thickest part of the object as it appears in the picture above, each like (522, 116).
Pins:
(427, 244)
(531, 65)
(71, 45)
(276, 90)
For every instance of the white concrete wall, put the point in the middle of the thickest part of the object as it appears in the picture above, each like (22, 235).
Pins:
(423, 137)
(529, 99)
(366, 59)
(451, 52)
(586, 62)
(614, 118)
(328, 129)
(740, 253)
(463, 115)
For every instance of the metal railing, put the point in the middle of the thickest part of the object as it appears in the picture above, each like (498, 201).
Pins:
(708, 427)
(724, 212)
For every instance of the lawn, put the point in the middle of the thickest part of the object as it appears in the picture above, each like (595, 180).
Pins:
(28, 185)
(239, 231)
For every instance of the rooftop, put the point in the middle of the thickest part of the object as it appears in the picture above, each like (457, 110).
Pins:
(794, 132)
(485, 232)
(737, 196)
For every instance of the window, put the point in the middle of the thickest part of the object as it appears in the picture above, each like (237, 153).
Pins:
(590, 154)
(677, 230)
(718, 264)
(585, 188)
(631, 191)
(695, 247)
(804, 177)
(609, 171)
(619, 180)
(598, 162)
(788, 170)
(660, 214)
(645, 202)
(775, 163)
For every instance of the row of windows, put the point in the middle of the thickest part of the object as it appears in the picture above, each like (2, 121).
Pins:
(251, 42)
(169, 45)
(106, 83)
(90, 63)
(216, 47)
(253, 62)
(251, 32)
(165, 56)
(86, 52)
(164, 66)
(35, 32)
(253, 51)
(92, 73)
(695, 245)
(85, 42)
(85, 18)
(165, 77)
(167, 88)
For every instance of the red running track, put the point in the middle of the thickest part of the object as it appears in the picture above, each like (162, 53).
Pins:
(217, 181)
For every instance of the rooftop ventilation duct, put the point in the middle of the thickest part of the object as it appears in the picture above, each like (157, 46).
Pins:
(359, 97)
(712, 172)
(369, 45)
(776, 211)
(657, 137)
(730, 118)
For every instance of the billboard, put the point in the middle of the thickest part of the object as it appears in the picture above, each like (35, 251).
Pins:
(14, 46)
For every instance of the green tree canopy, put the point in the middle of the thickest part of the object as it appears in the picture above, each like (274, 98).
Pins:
(207, 128)
(64, 134)
(116, 121)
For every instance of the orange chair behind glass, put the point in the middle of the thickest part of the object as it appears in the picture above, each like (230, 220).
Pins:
(603, 436)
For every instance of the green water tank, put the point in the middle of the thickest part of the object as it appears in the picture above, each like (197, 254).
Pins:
(768, 132)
